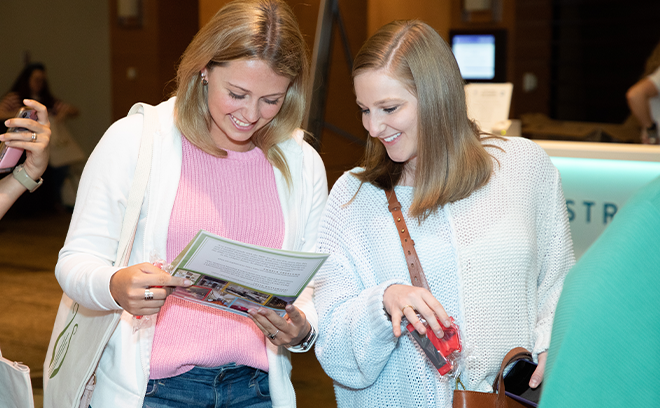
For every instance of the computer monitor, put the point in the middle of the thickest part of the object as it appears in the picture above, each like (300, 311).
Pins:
(481, 54)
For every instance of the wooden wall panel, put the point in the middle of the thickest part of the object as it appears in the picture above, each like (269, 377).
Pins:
(339, 153)
(208, 8)
(306, 12)
(173, 42)
(533, 52)
(436, 13)
(133, 49)
(150, 52)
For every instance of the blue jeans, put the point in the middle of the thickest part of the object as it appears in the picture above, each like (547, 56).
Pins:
(227, 386)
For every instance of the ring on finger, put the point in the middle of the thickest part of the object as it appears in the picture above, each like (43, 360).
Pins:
(148, 295)
(34, 136)
(404, 308)
(272, 336)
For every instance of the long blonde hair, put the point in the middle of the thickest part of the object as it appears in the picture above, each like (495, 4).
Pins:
(246, 29)
(451, 161)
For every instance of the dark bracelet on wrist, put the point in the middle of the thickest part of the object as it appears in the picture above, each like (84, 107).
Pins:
(306, 343)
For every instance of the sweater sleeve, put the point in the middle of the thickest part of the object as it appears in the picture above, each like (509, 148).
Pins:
(85, 263)
(316, 170)
(355, 334)
(555, 256)
(655, 78)
(319, 184)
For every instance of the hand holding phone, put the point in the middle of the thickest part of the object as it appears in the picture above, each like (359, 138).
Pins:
(9, 156)
(516, 383)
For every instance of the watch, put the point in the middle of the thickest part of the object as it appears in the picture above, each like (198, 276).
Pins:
(21, 175)
(306, 343)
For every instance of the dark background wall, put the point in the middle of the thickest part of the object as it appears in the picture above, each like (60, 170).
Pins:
(599, 48)
(73, 39)
(582, 54)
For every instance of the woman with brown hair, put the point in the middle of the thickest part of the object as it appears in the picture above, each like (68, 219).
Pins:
(487, 217)
(228, 158)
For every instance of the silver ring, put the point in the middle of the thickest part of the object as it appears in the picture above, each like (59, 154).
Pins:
(34, 136)
(148, 295)
(272, 336)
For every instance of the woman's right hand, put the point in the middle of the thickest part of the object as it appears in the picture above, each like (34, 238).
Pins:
(35, 144)
(406, 300)
(128, 287)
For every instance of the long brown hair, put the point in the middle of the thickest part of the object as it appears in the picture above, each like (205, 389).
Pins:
(451, 161)
(247, 29)
(652, 62)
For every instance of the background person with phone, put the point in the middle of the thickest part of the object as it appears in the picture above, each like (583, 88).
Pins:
(32, 83)
(35, 141)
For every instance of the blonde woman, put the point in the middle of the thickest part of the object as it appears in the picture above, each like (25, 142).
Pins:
(228, 158)
(487, 217)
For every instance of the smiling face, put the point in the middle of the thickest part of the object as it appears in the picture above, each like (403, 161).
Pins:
(389, 113)
(243, 96)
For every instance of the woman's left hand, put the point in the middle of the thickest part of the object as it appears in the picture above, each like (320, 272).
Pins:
(34, 141)
(285, 331)
(537, 376)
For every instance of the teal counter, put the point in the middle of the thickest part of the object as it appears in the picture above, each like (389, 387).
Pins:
(598, 178)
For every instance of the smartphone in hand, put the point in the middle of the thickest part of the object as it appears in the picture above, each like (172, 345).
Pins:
(516, 383)
(9, 156)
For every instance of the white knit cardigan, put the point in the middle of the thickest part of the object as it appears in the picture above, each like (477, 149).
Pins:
(512, 249)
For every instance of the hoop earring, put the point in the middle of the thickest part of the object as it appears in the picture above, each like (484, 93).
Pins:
(204, 80)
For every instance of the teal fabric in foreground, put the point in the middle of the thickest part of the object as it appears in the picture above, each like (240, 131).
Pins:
(605, 347)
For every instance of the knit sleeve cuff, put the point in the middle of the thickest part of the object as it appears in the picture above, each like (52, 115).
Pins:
(381, 325)
(542, 343)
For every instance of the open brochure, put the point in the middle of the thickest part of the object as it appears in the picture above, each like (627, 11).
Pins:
(235, 276)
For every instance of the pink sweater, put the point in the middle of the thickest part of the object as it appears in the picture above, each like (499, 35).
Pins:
(235, 197)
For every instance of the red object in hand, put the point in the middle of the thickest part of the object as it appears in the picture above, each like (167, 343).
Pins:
(450, 342)
(448, 346)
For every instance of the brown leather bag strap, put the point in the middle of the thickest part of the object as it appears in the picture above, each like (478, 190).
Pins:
(412, 260)
(472, 399)
(518, 353)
